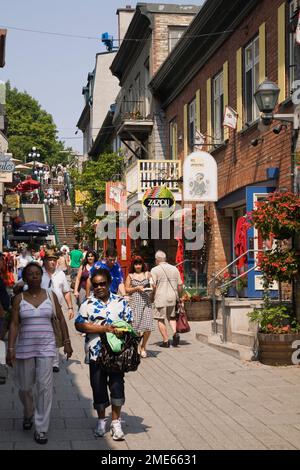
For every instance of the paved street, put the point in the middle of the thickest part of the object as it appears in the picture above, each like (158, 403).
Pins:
(193, 397)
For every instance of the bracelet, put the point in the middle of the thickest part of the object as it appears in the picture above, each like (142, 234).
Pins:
(67, 341)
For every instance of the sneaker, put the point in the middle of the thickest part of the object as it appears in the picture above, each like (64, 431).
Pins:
(165, 344)
(176, 339)
(40, 437)
(27, 423)
(116, 430)
(100, 429)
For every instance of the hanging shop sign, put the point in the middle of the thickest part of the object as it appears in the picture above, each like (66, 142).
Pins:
(200, 178)
(159, 202)
(6, 164)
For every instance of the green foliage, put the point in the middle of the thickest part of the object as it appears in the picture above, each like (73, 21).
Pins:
(274, 319)
(92, 179)
(28, 126)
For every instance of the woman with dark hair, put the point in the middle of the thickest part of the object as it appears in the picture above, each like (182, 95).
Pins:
(32, 357)
(138, 286)
(95, 317)
(83, 275)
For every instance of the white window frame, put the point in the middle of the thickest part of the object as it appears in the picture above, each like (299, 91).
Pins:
(218, 108)
(192, 124)
(174, 34)
(172, 131)
(252, 67)
(293, 6)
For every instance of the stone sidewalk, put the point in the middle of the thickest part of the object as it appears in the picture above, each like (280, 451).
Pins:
(193, 397)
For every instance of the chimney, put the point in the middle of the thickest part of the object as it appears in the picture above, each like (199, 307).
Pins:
(124, 19)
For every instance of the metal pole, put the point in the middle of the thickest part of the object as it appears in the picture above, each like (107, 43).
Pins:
(214, 305)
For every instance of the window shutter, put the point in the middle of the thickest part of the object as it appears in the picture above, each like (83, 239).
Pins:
(239, 89)
(209, 104)
(226, 95)
(262, 53)
(281, 52)
(185, 130)
(175, 141)
(198, 111)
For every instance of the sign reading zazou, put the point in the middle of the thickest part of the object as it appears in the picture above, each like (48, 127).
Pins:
(200, 178)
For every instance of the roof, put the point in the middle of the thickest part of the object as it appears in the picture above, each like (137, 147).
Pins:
(140, 28)
(197, 45)
(3, 33)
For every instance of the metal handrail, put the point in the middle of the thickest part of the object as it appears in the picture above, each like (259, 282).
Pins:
(228, 283)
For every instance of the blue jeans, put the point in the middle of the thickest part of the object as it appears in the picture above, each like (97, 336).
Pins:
(101, 380)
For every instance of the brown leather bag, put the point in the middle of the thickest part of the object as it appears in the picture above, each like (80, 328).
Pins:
(182, 324)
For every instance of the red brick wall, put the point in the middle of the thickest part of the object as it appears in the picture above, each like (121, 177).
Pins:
(248, 164)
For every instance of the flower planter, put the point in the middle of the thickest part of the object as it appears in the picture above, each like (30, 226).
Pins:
(276, 349)
(199, 311)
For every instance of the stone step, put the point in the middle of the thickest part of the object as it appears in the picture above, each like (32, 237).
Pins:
(235, 350)
(243, 338)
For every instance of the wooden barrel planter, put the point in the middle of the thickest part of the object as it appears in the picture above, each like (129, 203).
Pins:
(199, 311)
(276, 349)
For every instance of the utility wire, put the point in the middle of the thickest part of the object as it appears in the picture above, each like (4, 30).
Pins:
(76, 36)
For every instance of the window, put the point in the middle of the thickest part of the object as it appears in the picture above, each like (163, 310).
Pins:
(293, 7)
(173, 140)
(251, 80)
(218, 109)
(192, 124)
(175, 33)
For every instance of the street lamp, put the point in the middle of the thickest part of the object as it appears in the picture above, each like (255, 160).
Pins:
(50, 200)
(266, 97)
(33, 155)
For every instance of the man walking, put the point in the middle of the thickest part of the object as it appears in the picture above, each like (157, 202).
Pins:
(56, 280)
(111, 264)
(167, 286)
(76, 256)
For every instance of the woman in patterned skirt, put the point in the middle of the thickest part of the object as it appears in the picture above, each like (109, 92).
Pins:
(138, 287)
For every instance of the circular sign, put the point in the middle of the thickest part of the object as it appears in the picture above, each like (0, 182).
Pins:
(159, 202)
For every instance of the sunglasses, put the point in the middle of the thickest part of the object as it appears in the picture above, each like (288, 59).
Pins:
(99, 284)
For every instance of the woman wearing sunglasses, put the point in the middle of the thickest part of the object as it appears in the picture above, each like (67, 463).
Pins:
(95, 317)
(138, 286)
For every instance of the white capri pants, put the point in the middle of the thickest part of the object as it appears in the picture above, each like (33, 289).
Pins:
(36, 371)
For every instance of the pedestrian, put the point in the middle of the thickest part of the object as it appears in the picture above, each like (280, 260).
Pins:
(138, 286)
(76, 256)
(168, 289)
(83, 275)
(111, 264)
(22, 260)
(95, 317)
(4, 299)
(56, 280)
(63, 261)
(31, 349)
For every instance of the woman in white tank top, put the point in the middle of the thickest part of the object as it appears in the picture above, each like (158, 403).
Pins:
(32, 347)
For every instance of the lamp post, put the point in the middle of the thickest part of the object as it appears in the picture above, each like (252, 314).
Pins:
(50, 201)
(33, 154)
(266, 97)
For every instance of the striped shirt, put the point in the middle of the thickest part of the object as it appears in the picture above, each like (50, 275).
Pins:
(36, 337)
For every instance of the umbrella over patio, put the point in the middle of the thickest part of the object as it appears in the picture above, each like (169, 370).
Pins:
(34, 227)
(27, 185)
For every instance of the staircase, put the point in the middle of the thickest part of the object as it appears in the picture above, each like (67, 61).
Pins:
(62, 218)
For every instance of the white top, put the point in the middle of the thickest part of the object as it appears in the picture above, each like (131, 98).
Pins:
(65, 247)
(57, 283)
(166, 278)
(23, 261)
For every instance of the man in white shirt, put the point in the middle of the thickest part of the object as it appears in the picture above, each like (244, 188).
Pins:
(168, 289)
(56, 280)
(22, 260)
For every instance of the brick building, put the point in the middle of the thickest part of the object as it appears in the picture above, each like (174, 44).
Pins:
(229, 48)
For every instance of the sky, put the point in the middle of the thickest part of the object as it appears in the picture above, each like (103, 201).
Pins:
(53, 69)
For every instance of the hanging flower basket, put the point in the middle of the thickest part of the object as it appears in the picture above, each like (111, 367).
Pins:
(279, 264)
(278, 216)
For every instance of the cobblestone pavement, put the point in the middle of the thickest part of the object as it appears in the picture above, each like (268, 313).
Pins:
(192, 397)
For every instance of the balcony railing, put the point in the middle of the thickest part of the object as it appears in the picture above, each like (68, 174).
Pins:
(131, 110)
(145, 174)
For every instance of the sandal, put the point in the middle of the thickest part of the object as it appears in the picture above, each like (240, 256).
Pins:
(143, 353)
(27, 424)
(40, 437)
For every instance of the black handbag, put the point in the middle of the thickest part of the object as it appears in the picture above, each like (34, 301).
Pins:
(127, 360)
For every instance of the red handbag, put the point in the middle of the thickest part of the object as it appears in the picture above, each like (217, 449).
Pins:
(182, 324)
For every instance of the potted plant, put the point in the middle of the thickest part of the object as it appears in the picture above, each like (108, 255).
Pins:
(241, 286)
(197, 306)
(278, 329)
